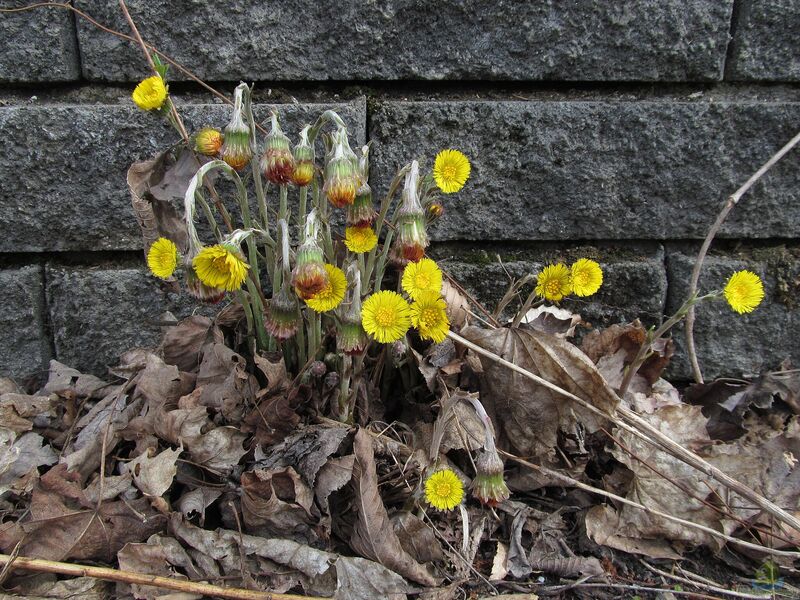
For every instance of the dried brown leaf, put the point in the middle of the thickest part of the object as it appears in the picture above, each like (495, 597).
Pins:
(275, 416)
(529, 414)
(18, 411)
(227, 387)
(20, 459)
(153, 475)
(417, 538)
(183, 344)
(219, 450)
(156, 557)
(196, 501)
(551, 319)
(373, 536)
(333, 476)
(457, 305)
(305, 450)
(277, 502)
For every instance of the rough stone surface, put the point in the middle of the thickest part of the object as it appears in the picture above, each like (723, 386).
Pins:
(24, 348)
(98, 313)
(37, 45)
(764, 46)
(634, 279)
(733, 345)
(590, 40)
(561, 170)
(63, 178)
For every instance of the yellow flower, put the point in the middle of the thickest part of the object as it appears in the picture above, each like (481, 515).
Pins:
(386, 316)
(744, 291)
(360, 239)
(554, 282)
(422, 276)
(451, 170)
(444, 490)
(587, 277)
(429, 316)
(221, 266)
(150, 94)
(332, 294)
(162, 258)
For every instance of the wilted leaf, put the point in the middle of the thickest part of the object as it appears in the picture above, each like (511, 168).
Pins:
(373, 536)
(604, 527)
(183, 344)
(274, 371)
(417, 538)
(362, 579)
(227, 387)
(113, 486)
(457, 305)
(66, 381)
(174, 426)
(333, 476)
(219, 450)
(499, 563)
(78, 588)
(161, 384)
(530, 414)
(277, 502)
(551, 319)
(154, 558)
(18, 411)
(197, 501)
(153, 475)
(274, 417)
(20, 459)
(305, 450)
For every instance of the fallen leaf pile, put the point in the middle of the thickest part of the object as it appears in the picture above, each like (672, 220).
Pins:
(197, 462)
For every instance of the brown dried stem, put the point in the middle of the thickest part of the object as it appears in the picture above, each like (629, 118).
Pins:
(167, 583)
(730, 202)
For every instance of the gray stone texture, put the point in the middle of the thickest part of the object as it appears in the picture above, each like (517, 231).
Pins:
(64, 176)
(729, 344)
(634, 278)
(765, 43)
(38, 46)
(24, 347)
(97, 313)
(276, 40)
(572, 170)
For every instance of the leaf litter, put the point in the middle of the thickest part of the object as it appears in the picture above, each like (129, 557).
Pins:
(201, 463)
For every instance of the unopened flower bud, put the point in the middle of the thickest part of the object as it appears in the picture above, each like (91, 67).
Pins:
(208, 141)
(309, 276)
(362, 213)
(283, 314)
(277, 162)
(200, 290)
(331, 380)
(435, 210)
(351, 338)
(341, 174)
(411, 238)
(399, 351)
(236, 149)
(318, 368)
(303, 160)
(488, 486)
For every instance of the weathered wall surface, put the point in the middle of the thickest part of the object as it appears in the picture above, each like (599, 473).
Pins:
(602, 129)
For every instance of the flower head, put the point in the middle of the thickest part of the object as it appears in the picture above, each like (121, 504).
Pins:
(360, 239)
(744, 291)
(208, 141)
(150, 94)
(361, 213)
(332, 294)
(587, 277)
(201, 291)
(283, 314)
(553, 283)
(309, 275)
(162, 258)
(236, 150)
(429, 316)
(488, 486)
(303, 160)
(411, 238)
(386, 316)
(444, 490)
(277, 163)
(422, 277)
(221, 266)
(451, 170)
(342, 178)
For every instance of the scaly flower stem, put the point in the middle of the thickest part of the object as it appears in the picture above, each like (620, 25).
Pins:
(379, 270)
(344, 389)
(301, 216)
(248, 314)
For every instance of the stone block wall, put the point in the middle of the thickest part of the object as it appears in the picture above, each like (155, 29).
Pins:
(606, 129)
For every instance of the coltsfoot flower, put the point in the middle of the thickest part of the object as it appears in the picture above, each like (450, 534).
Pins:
(162, 258)
(362, 213)
(411, 238)
(277, 163)
(451, 170)
(283, 314)
(332, 294)
(429, 316)
(221, 266)
(150, 94)
(201, 291)
(303, 160)
(360, 239)
(309, 276)
(744, 291)
(236, 150)
(351, 338)
(208, 141)
(587, 277)
(554, 282)
(489, 486)
(444, 490)
(422, 277)
(386, 316)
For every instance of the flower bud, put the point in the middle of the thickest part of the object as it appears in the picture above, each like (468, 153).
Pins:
(309, 276)
(362, 213)
(352, 339)
(318, 368)
(236, 149)
(283, 314)
(303, 160)
(434, 211)
(411, 238)
(277, 162)
(489, 486)
(208, 141)
(399, 351)
(200, 290)
(341, 173)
